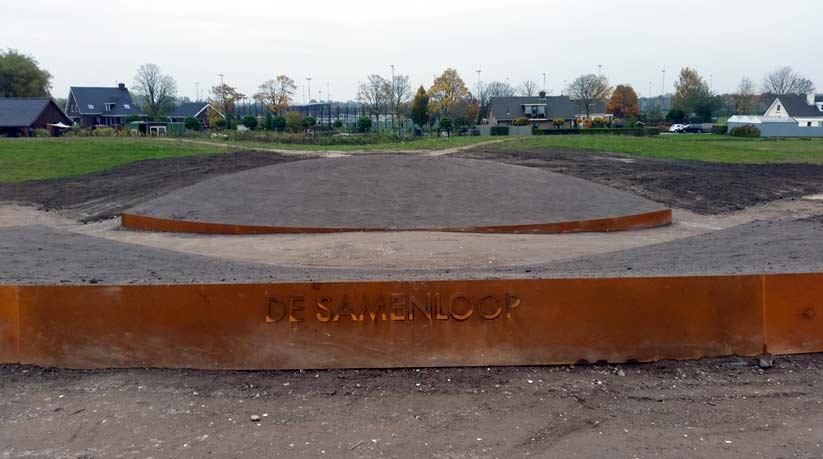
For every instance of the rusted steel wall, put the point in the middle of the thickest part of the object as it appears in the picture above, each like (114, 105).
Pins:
(410, 324)
(628, 222)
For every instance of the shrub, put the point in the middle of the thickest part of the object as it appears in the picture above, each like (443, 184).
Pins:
(745, 131)
(720, 129)
(522, 121)
(104, 132)
(192, 123)
(278, 123)
(250, 121)
(294, 121)
(131, 119)
(41, 133)
(364, 124)
(500, 130)
(558, 122)
(338, 124)
(309, 121)
(220, 124)
(598, 123)
(446, 124)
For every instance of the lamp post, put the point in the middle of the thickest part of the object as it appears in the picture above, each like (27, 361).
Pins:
(662, 90)
(308, 82)
(393, 97)
(223, 97)
(544, 81)
(479, 98)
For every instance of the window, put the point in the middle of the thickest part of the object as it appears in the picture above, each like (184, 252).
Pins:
(91, 107)
(809, 124)
(110, 107)
(127, 106)
(778, 108)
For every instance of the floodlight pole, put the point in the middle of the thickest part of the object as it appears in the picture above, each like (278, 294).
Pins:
(544, 81)
(393, 108)
(308, 80)
(479, 98)
(223, 97)
(662, 91)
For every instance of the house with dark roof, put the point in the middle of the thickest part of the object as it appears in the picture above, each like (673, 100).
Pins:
(20, 116)
(199, 110)
(541, 110)
(806, 110)
(100, 106)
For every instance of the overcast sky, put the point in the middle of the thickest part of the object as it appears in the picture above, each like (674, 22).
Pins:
(338, 43)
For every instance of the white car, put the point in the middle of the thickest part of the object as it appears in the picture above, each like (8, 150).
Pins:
(677, 128)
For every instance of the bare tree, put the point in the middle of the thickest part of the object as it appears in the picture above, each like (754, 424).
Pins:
(528, 88)
(157, 90)
(588, 90)
(400, 93)
(499, 89)
(786, 81)
(375, 93)
(745, 97)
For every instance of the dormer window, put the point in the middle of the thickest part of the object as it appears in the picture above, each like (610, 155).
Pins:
(110, 107)
(91, 107)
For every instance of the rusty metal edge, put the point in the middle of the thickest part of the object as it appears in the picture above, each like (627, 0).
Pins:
(623, 223)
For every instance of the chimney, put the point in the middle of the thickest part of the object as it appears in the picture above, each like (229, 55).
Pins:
(542, 94)
(121, 86)
(810, 98)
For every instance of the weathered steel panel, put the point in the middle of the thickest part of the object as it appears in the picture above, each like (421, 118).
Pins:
(9, 322)
(794, 313)
(628, 222)
(391, 324)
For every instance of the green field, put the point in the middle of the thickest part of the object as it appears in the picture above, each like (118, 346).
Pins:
(703, 147)
(37, 159)
(33, 159)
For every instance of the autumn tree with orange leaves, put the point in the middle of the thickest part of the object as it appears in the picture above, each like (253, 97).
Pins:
(623, 103)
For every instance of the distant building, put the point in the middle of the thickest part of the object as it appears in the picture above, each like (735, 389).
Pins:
(20, 116)
(541, 110)
(100, 106)
(199, 110)
(787, 116)
(806, 110)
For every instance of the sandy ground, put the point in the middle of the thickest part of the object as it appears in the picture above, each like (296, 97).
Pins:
(708, 409)
(722, 408)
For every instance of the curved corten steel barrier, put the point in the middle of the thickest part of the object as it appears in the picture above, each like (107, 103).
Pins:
(411, 324)
(628, 222)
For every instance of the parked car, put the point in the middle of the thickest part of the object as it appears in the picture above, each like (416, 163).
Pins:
(693, 128)
(677, 128)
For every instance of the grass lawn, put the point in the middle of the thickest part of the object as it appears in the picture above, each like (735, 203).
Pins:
(703, 147)
(425, 143)
(33, 159)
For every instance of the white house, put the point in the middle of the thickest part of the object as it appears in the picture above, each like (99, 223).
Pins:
(807, 110)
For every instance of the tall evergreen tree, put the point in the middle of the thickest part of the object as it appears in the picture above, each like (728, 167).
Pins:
(420, 108)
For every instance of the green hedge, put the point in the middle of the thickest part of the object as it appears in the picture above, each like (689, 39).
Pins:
(745, 131)
(719, 129)
(636, 132)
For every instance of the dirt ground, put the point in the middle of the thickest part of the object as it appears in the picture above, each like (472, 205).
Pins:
(722, 408)
(106, 194)
(702, 187)
(715, 408)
